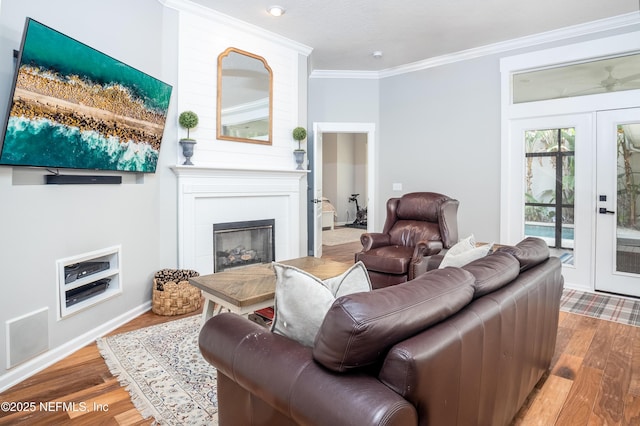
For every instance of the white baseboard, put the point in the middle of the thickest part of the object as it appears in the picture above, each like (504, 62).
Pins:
(579, 287)
(39, 363)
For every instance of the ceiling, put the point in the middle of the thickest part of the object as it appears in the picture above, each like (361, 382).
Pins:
(344, 34)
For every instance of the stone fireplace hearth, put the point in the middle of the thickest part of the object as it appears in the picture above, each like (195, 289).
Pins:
(217, 195)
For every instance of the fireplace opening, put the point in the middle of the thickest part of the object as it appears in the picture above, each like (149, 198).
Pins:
(237, 244)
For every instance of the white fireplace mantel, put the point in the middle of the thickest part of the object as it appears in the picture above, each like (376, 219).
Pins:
(208, 195)
(203, 171)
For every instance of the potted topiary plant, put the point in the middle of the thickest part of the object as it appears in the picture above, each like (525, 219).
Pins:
(299, 134)
(188, 120)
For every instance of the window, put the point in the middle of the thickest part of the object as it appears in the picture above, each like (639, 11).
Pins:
(550, 186)
(579, 79)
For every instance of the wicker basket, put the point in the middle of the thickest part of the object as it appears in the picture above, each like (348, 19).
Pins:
(172, 293)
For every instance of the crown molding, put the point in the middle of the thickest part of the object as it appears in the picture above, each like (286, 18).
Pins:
(217, 17)
(615, 22)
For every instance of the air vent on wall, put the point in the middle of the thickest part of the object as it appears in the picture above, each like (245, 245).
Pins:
(27, 336)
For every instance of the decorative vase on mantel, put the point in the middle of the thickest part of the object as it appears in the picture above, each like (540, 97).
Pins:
(187, 150)
(188, 120)
(299, 156)
(299, 134)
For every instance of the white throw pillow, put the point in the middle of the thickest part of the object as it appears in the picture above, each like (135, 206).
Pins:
(302, 300)
(462, 246)
(463, 252)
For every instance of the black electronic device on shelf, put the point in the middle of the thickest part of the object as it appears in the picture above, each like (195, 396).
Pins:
(83, 269)
(84, 292)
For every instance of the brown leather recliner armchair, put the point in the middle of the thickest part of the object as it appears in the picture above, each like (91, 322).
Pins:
(418, 225)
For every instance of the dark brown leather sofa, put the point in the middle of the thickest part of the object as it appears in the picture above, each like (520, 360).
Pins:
(455, 346)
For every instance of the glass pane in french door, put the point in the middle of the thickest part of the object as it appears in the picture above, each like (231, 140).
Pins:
(549, 189)
(628, 199)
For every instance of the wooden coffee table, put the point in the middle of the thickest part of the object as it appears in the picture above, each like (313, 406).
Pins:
(248, 289)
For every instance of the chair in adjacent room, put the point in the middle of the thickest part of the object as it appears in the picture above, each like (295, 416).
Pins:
(418, 225)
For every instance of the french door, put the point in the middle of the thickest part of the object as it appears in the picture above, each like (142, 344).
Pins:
(578, 182)
(551, 188)
(601, 126)
(617, 245)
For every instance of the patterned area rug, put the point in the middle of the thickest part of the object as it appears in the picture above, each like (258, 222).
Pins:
(336, 236)
(601, 306)
(163, 370)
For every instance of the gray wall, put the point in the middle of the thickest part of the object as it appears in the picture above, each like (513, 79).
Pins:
(438, 129)
(440, 132)
(435, 129)
(40, 224)
(343, 100)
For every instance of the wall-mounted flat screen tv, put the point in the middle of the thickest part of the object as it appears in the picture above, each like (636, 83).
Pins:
(74, 107)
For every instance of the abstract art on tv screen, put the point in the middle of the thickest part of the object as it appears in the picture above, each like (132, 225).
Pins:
(75, 107)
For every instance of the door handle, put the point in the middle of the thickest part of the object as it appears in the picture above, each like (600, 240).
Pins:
(316, 201)
(603, 210)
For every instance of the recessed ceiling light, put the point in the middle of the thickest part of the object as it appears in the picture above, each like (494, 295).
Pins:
(276, 10)
(377, 54)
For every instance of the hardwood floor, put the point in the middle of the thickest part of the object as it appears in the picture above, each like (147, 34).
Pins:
(69, 388)
(594, 378)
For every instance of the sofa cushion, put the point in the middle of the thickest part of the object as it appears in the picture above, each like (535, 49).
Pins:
(302, 300)
(493, 272)
(529, 252)
(360, 328)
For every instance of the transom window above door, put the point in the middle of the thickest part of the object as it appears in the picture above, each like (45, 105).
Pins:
(605, 75)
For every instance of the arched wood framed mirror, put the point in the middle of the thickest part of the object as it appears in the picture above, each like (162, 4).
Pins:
(245, 93)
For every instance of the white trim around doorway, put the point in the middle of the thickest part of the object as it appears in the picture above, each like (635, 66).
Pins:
(370, 130)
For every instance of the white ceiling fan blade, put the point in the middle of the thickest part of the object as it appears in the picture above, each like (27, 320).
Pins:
(582, 92)
(629, 78)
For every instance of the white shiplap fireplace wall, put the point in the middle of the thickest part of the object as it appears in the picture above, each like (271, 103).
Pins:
(203, 36)
(235, 181)
(207, 196)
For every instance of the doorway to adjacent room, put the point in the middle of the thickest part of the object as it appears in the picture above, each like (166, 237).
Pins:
(363, 133)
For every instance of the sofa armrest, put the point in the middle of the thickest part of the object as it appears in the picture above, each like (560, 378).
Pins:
(283, 374)
(371, 240)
